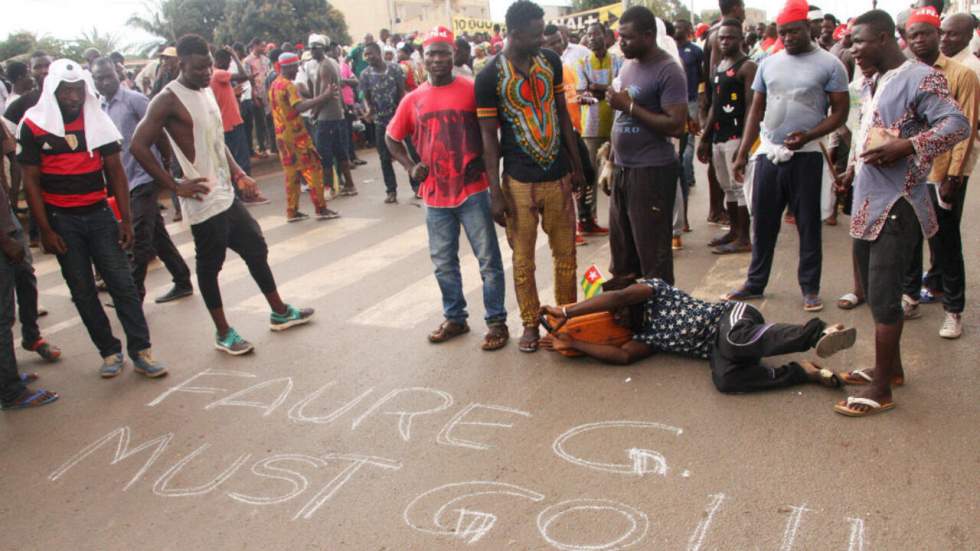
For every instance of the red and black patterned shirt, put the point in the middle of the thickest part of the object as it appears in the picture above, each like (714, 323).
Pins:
(71, 177)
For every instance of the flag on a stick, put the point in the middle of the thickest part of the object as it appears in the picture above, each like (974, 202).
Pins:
(592, 282)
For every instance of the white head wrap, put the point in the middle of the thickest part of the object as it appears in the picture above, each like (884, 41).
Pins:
(99, 129)
(318, 39)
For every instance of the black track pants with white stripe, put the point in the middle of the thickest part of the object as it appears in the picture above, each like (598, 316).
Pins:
(744, 339)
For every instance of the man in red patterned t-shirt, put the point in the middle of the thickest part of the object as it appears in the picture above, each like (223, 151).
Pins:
(440, 119)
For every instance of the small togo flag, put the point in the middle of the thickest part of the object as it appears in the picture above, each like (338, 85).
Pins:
(592, 281)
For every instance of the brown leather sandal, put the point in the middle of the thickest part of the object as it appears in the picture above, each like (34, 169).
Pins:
(496, 337)
(448, 330)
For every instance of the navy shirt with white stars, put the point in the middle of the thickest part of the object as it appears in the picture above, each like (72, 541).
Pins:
(674, 321)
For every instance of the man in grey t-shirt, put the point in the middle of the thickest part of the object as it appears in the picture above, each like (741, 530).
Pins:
(331, 137)
(651, 108)
(793, 89)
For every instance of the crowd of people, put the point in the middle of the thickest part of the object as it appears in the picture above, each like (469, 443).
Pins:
(797, 120)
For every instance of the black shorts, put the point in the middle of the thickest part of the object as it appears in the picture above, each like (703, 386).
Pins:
(882, 263)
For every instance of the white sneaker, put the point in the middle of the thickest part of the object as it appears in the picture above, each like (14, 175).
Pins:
(952, 326)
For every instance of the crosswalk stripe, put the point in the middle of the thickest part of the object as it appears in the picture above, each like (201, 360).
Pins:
(421, 299)
(186, 251)
(49, 263)
(345, 271)
(727, 273)
(284, 251)
(234, 268)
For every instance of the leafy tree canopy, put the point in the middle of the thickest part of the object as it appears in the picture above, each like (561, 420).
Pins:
(280, 20)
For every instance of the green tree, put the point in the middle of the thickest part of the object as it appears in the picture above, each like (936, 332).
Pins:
(582, 5)
(171, 19)
(668, 10)
(21, 43)
(105, 43)
(280, 20)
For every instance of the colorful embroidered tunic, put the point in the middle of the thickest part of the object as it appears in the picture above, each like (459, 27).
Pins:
(911, 101)
(526, 107)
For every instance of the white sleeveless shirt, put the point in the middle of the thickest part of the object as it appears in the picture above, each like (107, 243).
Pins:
(209, 154)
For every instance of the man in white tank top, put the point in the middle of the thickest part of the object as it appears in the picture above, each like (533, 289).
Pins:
(187, 114)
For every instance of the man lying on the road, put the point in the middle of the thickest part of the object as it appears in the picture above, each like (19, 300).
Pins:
(732, 336)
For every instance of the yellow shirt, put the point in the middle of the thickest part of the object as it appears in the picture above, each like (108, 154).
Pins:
(965, 89)
(597, 118)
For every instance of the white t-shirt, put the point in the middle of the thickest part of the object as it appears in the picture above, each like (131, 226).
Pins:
(574, 54)
(246, 85)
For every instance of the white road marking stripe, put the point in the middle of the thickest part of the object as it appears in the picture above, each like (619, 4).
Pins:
(284, 251)
(234, 267)
(727, 273)
(422, 299)
(46, 263)
(345, 271)
(186, 251)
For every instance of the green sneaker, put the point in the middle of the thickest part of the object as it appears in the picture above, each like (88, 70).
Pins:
(293, 317)
(233, 343)
(112, 365)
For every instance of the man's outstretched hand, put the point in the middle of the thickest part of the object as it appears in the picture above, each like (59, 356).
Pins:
(193, 189)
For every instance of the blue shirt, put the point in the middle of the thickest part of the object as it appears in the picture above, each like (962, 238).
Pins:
(674, 321)
(693, 57)
(796, 88)
(126, 109)
(911, 101)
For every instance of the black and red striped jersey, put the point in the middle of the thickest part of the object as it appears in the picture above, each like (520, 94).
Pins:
(70, 176)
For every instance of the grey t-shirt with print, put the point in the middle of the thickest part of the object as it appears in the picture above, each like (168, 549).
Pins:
(653, 86)
(796, 88)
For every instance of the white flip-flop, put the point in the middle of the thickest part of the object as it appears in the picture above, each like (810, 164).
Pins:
(835, 339)
(844, 408)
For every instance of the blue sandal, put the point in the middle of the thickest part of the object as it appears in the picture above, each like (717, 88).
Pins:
(34, 399)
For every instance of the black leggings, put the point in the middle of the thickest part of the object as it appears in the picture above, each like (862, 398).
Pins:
(233, 229)
(744, 338)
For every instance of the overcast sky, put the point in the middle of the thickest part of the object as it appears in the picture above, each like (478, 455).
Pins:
(66, 19)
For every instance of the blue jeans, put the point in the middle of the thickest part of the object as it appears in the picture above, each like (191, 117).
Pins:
(245, 108)
(237, 143)
(443, 225)
(687, 154)
(92, 237)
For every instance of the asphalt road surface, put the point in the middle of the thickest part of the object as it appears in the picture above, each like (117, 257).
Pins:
(354, 432)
